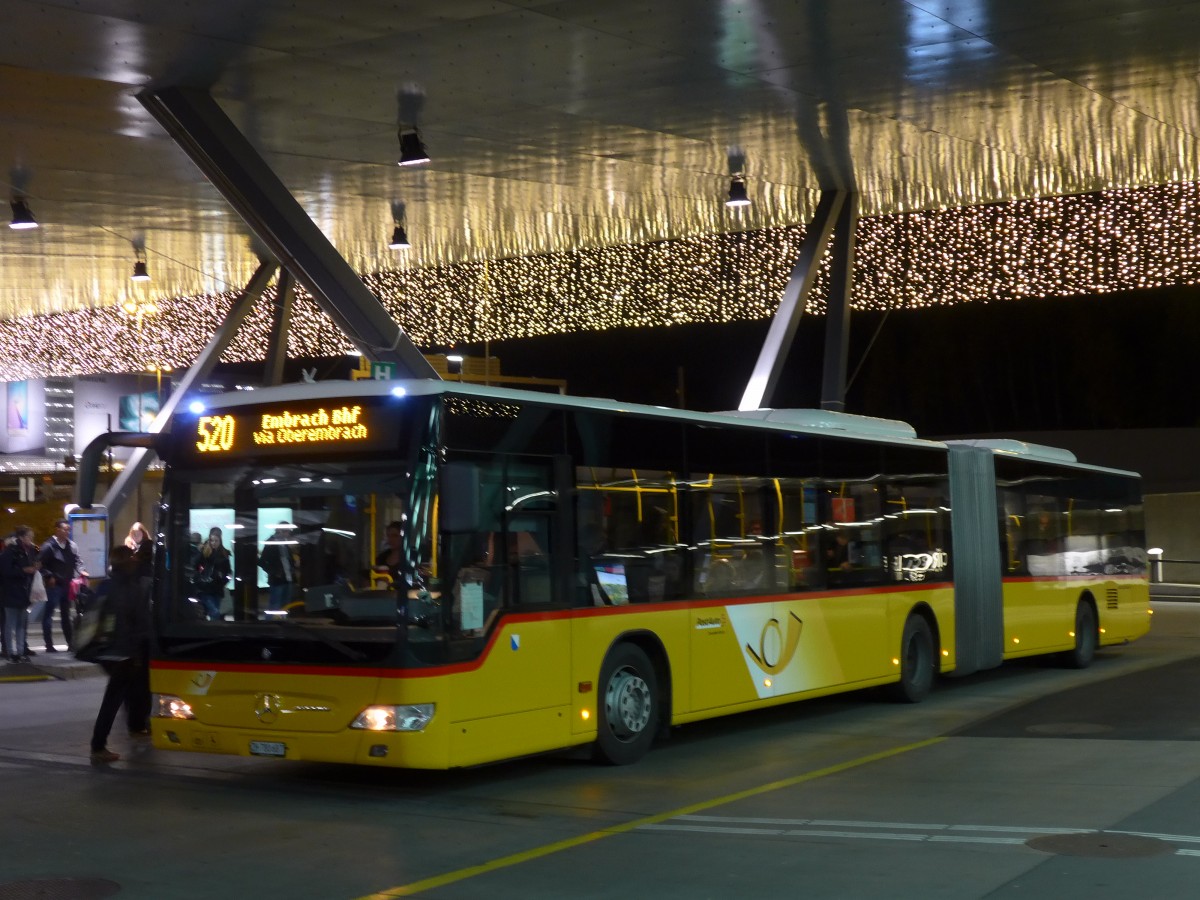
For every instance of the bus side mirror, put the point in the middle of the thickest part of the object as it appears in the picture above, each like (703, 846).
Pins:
(458, 508)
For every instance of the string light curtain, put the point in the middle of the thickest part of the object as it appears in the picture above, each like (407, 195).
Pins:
(1089, 244)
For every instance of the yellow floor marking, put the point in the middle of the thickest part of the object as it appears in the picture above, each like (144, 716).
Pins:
(514, 859)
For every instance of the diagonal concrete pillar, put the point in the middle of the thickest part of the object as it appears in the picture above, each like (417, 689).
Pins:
(200, 127)
(837, 318)
(280, 319)
(126, 483)
(778, 342)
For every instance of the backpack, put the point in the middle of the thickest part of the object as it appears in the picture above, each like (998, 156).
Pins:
(94, 628)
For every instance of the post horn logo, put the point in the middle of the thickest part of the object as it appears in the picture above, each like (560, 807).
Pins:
(267, 707)
(775, 650)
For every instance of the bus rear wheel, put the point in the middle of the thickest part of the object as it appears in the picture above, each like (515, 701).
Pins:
(1086, 638)
(629, 706)
(918, 664)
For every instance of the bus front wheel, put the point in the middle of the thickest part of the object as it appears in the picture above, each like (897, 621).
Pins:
(1086, 638)
(629, 707)
(918, 664)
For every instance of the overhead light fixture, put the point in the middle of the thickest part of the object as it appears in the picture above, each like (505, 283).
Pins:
(399, 239)
(737, 193)
(22, 215)
(412, 148)
(139, 271)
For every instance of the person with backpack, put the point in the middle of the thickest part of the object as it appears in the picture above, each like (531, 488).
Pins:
(126, 654)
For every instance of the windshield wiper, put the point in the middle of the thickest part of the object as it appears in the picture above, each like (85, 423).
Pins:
(194, 645)
(296, 627)
(280, 625)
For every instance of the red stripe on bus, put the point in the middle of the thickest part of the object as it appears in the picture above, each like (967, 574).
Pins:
(519, 618)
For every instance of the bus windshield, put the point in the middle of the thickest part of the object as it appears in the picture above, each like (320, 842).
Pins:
(299, 562)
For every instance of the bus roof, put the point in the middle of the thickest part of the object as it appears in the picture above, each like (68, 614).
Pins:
(796, 421)
(1039, 452)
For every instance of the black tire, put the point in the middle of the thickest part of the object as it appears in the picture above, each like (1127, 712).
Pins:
(628, 706)
(918, 663)
(1087, 637)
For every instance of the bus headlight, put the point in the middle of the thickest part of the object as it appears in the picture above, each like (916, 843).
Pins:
(168, 706)
(413, 717)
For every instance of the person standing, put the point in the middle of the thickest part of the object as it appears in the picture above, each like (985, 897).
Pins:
(138, 540)
(128, 654)
(61, 564)
(18, 562)
(277, 561)
(213, 569)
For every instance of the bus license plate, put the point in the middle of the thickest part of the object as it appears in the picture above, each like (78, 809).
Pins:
(268, 748)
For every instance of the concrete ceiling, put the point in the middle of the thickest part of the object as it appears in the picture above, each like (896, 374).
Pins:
(559, 124)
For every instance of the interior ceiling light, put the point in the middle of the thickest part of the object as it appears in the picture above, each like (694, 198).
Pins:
(737, 193)
(22, 215)
(412, 148)
(139, 271)
(399, 239)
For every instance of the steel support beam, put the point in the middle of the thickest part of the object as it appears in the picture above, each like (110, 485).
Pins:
(837, 318)
(126, 483)
(778, 342)
(281, 317)
(200, 127)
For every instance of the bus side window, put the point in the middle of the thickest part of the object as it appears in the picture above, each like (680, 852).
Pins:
(530, 567)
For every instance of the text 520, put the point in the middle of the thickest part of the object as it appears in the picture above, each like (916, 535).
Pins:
(215, 433)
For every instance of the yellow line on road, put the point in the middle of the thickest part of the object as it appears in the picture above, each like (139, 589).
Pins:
(514, 859)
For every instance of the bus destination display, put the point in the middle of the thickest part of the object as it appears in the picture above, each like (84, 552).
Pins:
(293, 428)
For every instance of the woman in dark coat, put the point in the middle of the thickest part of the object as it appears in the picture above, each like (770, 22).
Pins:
(127, 654)
(138, 540)
(18, 562)
(213, 568)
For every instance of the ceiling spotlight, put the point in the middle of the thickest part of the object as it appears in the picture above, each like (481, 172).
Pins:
(22, 214)
(139, 271)
(399, 239)
(737, 193)
(412, 149)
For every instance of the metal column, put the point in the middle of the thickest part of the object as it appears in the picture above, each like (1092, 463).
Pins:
(787, 318)
(126, 483)
(201, 128)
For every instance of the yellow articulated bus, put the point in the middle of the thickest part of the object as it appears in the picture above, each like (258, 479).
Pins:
(433, 575)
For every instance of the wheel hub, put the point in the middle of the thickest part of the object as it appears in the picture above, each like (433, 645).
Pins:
(627, 703)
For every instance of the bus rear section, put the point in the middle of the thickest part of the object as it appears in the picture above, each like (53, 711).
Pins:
(1067, 541)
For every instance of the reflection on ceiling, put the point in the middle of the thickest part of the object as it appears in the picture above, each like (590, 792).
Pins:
(1110, 241)
(558, 126)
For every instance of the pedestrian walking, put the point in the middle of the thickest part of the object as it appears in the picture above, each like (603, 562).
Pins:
(127, 654)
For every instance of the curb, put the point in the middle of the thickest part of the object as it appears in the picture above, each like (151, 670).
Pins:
(69, 670)
(13, 673)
